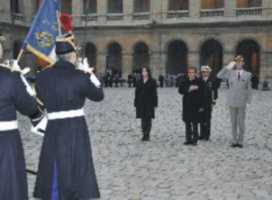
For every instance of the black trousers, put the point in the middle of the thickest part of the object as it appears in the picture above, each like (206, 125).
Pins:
(146, 125)
(205, 129)
(191, 132)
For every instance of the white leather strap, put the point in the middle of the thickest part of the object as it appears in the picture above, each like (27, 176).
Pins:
(65, 114)
(8, 125)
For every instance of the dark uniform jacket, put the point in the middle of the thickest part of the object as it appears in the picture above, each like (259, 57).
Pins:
(66, 143)
(13, 97)
(146, 99)
(192, 101)
(210, 94)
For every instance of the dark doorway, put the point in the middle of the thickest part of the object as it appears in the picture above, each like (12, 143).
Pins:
(250, 50)
(211, 53)
(177, 57)
(140, 56)
(114, 58)
(90, 53)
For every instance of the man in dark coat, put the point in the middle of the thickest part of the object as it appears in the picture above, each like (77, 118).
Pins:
(146, 100)
(13, 97)
(209, 99)
(192, 90)
(66, 170)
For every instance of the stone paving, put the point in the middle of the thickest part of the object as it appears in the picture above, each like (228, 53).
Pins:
(165, 169)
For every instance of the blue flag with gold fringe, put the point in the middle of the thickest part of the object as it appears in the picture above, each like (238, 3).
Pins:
(42, 35)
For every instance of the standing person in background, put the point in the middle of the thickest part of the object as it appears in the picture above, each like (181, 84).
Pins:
(161, 80)
(146, 100)
(238, 96)
(210, 94)
(192, 90)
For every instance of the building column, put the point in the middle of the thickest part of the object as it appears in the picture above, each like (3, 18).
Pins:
(77, 12)
(194, 8)
(101, 62)
(102, 10)
(230, 8)
(128, 6)
(193, 59)
(267, 5)
(158, 9)
(5, 11)
(127, 58)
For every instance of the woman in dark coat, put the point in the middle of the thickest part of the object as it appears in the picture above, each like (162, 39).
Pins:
(13, 97)
(146, 100)
(192, 90)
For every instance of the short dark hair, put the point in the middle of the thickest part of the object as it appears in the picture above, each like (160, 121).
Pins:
(192, 68)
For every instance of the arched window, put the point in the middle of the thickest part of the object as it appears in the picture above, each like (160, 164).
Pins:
(178, 5)
(115, 6)
(141, 6)
(90, 6)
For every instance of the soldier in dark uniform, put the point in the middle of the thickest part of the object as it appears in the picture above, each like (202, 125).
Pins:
(192, 90)
(66, 170)
(13, 97)
(146, 100)
(209, 99)
(161, 80)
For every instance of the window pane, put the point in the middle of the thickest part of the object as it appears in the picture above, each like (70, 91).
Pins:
(141, 5)
(178, 4)
(115, 6)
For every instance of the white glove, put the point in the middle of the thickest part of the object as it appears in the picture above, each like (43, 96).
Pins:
(95, 80)
(231, 65)
(83, 64)
(40, 128)
(15, 66)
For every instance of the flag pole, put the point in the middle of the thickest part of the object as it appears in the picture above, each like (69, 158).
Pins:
(20, 55)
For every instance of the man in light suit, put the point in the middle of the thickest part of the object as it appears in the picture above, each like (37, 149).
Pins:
(238, 96)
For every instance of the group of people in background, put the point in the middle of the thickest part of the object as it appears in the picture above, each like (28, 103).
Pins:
(200, 92)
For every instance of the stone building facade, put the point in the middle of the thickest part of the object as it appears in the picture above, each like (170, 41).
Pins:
(167, 35)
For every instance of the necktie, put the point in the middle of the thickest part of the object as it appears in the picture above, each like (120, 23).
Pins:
(239, 76)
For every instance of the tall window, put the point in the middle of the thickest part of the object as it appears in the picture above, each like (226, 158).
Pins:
(178, 4)
(16, 6)
(212, 4)
(115, 6)
(249, 3)
(141, 6)
(90, 6)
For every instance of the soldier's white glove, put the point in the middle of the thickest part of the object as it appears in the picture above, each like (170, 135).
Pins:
(83, 64)
(16, 68)
(231, 65)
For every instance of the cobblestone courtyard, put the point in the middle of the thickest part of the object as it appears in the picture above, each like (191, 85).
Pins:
(165, 169)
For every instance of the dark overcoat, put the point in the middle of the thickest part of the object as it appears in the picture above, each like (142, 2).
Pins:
(13, 97)
(146, 99)
(210, 94)
(66, 143)
(192, 101)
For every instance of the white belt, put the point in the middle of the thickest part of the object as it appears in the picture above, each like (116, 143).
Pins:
(65, 114)
(8, 125)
